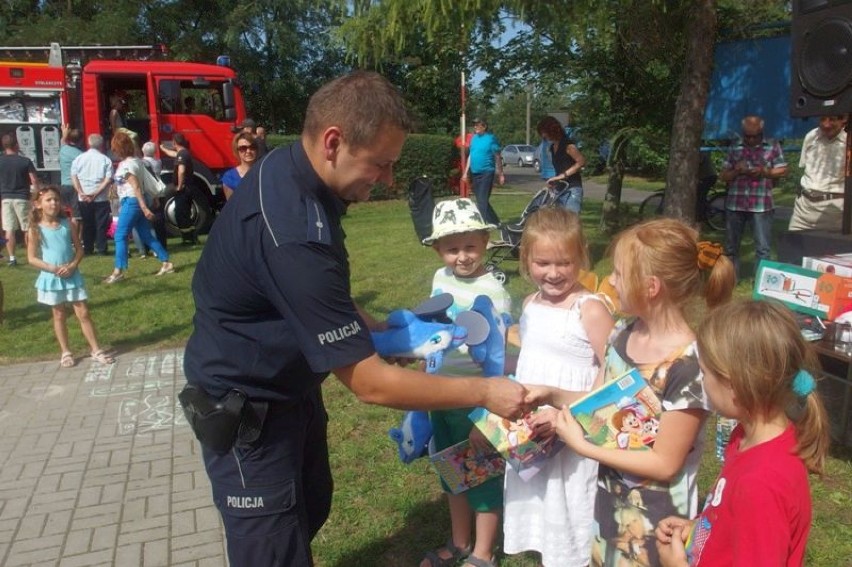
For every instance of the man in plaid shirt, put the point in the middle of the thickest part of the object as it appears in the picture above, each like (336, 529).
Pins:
(751, 170)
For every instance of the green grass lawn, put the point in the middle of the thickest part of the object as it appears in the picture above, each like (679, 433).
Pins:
(385, 513)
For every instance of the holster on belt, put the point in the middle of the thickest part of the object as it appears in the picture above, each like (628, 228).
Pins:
(221, 423)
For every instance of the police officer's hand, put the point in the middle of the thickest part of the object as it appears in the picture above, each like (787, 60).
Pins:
(505, 398)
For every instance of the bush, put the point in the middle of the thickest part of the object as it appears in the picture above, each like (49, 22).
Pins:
(273, 140)
(435, 157)
(426, 155)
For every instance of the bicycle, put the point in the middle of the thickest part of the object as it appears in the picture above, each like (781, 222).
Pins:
(713, 209)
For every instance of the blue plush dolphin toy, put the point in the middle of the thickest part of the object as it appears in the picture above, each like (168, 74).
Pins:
(482, 328)
(412, 436)
(408, 336)
(490, 354)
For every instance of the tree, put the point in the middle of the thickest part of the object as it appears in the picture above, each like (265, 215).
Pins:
(682, 176)
(425, 64)
(644, 65)
(639, 64)
(560, 37)
(282, 51)
(33, 22)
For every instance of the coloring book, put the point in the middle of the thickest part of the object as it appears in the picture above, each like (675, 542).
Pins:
(462, 467)
(513, 439)
(623, 413)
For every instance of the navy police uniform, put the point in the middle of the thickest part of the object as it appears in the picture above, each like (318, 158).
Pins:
(274, 315)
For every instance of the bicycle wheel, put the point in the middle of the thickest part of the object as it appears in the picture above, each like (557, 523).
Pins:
(652, 206)
(716, 210)
(498, 274)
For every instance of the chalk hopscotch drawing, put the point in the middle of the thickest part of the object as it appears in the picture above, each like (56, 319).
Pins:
(99, 373)
(144, 406)
(143, 375)
(124, 389)
(152, 413)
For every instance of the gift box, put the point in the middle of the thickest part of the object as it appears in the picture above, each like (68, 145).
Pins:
(804, 290)
(840, 264)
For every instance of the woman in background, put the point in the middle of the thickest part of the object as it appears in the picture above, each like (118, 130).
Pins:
(567, 161)
(245, 148)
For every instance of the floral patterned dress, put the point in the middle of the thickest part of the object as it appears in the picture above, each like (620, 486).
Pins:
(628, 507)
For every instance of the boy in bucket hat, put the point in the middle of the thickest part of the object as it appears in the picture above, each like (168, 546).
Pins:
(460, 236)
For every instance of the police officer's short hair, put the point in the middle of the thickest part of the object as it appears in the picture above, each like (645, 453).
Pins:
(361, 104)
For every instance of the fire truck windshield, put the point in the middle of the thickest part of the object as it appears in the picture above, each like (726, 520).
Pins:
(190, 96)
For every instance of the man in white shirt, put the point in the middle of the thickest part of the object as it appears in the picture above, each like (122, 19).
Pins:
(91, 174)
(819, 205)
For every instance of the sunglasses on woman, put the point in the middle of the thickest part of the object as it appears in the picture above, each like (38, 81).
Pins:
(244, 149)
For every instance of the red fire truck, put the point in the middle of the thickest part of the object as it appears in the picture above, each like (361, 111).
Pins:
(42, 88)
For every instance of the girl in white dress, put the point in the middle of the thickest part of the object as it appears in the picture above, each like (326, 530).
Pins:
(564, 330)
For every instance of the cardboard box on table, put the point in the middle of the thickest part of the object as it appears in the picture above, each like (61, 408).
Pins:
(803, 290)
(840, 264)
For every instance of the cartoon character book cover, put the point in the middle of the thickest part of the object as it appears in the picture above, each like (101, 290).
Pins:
(462, 467)
(513, 439)
(623, 413)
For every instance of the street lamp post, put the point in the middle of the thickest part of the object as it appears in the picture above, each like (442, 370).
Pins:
(463, 189)
(529, 107)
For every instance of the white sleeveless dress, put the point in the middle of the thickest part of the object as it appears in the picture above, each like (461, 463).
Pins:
(553, 512)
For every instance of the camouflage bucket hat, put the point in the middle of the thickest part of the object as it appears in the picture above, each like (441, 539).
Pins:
(455, 217)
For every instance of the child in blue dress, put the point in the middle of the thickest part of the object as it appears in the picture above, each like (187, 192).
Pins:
(54, 248)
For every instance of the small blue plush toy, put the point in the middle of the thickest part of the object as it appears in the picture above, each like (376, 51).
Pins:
(490, 353)
(408, 336)
(412, 436)
(482, 328)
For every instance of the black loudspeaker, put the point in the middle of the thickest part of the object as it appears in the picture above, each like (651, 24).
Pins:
(821, 78)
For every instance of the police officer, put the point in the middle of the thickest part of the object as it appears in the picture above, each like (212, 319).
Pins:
(184, 188)
(274, 316)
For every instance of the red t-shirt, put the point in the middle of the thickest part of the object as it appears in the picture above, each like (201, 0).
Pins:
(759, 510)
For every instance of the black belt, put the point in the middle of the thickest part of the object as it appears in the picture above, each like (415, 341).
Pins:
(818, 196)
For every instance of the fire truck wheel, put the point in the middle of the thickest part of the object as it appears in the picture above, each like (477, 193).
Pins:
(201, 214)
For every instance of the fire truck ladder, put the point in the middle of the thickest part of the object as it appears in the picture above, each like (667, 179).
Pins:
(56, 54)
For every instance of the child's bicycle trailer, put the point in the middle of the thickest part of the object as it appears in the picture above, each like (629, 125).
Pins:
(508, 247)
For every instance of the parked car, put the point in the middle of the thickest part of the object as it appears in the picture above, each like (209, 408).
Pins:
(518, 154)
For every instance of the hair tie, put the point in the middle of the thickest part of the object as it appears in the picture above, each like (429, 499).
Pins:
(708, 253)
(803, 383)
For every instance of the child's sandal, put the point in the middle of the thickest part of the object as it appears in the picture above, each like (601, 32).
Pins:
(102, 357)
(67, 360)
(475, 561)
(456, 554)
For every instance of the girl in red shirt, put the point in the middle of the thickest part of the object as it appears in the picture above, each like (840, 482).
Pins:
(758, 512)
